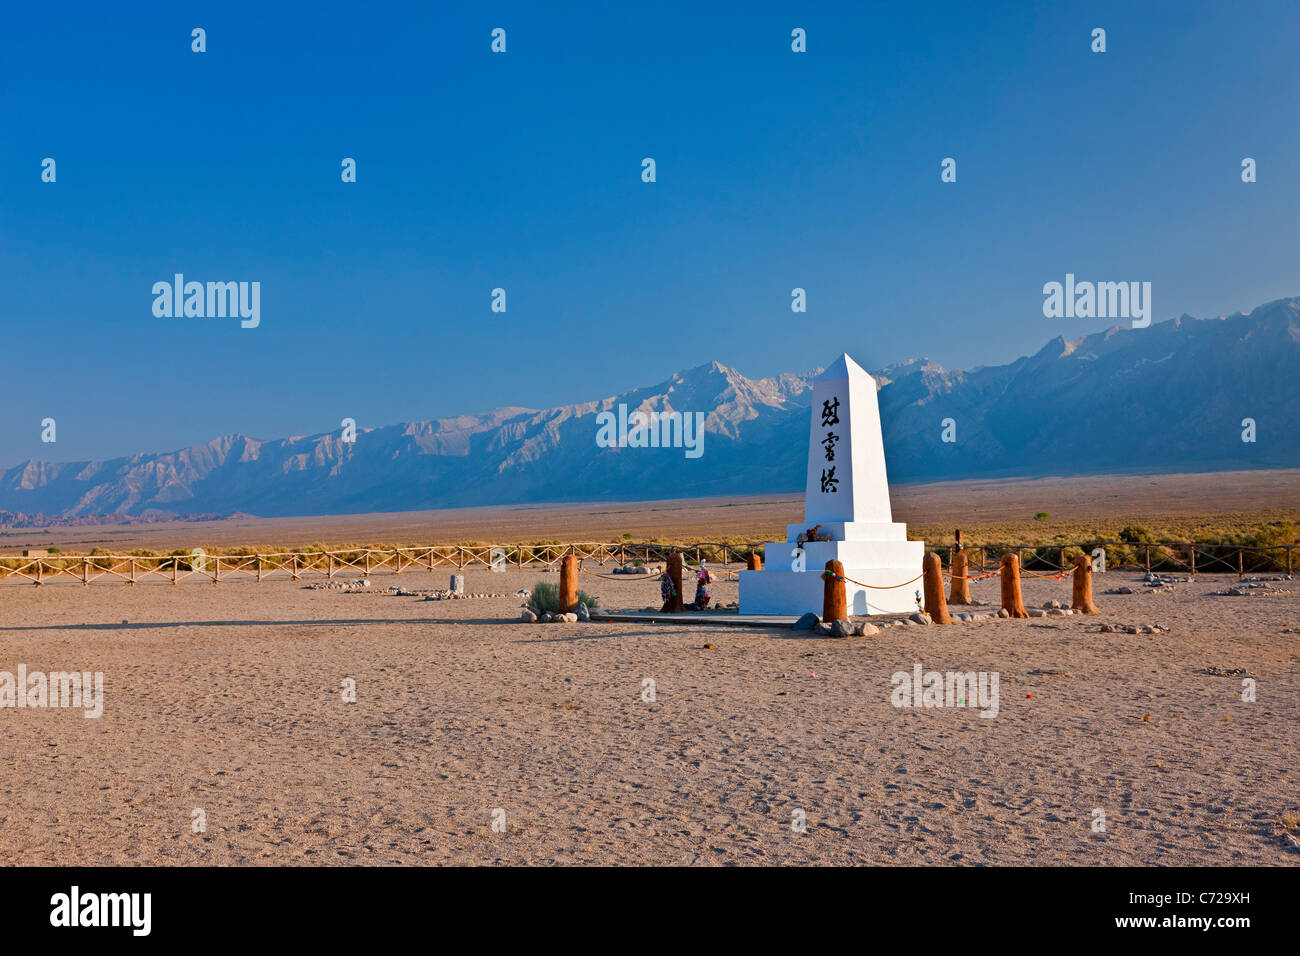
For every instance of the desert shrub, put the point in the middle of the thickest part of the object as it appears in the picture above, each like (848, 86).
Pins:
(101, 563)
(1135, 534)
(545, 596)
(1041, 516)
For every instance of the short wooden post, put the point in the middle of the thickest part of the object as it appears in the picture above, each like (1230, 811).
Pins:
(85, 572)
(329, 564)
(1288, 559)
(132, 579)
(935, 605)
(674, 572)
(1193, 561)
(835, 603)
(258, 560)
(755, 562)
(960, 578)
(1081, 598)
(176, 567)
(569, 583)
(1012, 600)
(39, 571)
(293, 566)
(1241, 565)
(216, 569)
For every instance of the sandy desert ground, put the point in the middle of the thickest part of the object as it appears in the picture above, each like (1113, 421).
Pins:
(227, 699)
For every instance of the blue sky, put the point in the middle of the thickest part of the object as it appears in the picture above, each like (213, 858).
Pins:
(475, 170)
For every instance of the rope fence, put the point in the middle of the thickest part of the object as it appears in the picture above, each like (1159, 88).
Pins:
(1055, 560)
(874, 587)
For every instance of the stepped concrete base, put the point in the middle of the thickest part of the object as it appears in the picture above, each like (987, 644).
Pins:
(778, 589)
(777, 592)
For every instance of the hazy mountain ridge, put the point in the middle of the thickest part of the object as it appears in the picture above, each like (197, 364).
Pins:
(1168, 397)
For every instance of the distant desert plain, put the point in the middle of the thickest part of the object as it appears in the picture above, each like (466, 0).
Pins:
(1179, 507)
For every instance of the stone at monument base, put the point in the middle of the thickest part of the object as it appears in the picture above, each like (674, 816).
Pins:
(779, 590)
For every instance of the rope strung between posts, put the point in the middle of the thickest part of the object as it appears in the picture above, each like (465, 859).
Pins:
(971, 577)
(1059, 575)
(874, 587)
(839, 577)
(890, 587)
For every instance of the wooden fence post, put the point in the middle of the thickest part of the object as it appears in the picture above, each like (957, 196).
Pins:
(935, 606)
(1081, 596)
(835, 604)
(960, 569)
(569, 583)
(673, 568)
(1012, 601)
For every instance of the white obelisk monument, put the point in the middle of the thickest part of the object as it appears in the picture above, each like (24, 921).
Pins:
(847, 497)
